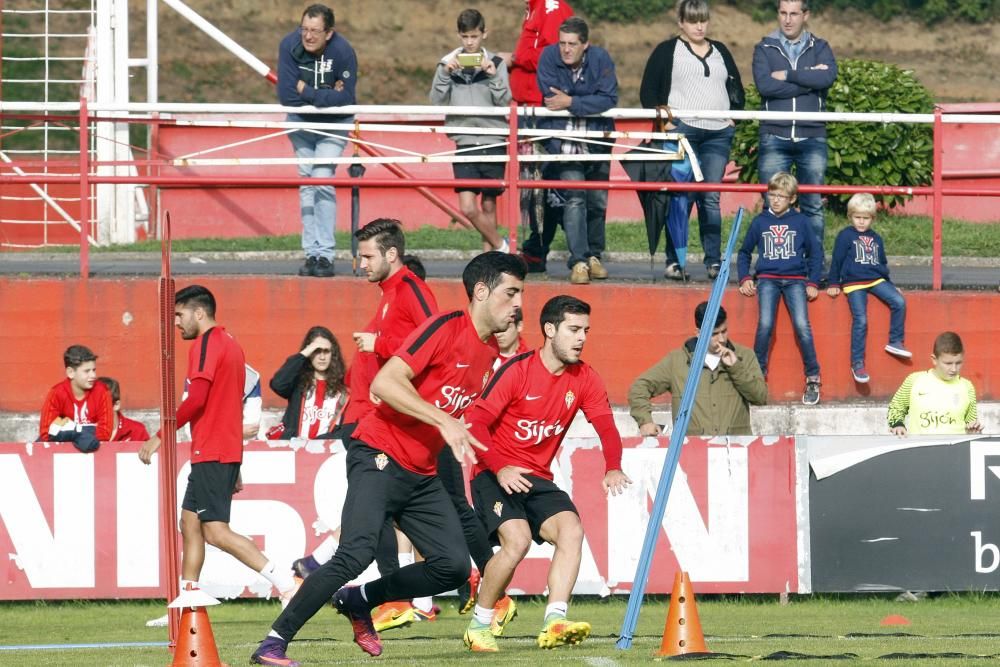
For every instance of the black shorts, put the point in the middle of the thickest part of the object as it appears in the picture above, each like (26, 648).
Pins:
(495, 506)
(210, 489)
(492, 170)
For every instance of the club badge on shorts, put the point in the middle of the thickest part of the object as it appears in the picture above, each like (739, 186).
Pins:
(381, 461)
(570, 397)
(498, 508)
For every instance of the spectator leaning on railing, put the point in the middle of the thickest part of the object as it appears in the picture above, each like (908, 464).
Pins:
(580, 78)
(317, 67)
(694, 73)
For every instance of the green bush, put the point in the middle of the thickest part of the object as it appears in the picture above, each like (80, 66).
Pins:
(622, 11)
(862, 153)
(930, 11)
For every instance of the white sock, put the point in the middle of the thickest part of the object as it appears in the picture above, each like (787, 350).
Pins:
(483, 615)
(364, 593)
(504, 246)
(185, 582)
(557, 608)
(324, 552)
(406, 559)
(282, 579)
(425, 605)
(274, 634)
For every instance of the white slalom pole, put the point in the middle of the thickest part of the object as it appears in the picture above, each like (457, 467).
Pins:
(250, 59)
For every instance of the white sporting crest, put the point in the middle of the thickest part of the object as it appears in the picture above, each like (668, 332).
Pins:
(381, 461)
(498, 508)
(570, 397)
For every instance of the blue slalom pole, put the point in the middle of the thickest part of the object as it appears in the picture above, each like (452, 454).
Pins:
(683, 417)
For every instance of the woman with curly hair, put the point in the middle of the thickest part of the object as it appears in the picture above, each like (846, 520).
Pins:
(312, 380)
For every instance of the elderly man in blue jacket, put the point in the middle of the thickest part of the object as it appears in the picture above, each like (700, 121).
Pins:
(317, 67)
(580, 78)
(793, 70)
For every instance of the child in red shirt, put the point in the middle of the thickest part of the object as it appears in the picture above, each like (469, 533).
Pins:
(125, 429)
(77, 410)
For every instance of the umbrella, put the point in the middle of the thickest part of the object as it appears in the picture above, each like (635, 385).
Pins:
(356, 170)
(654, 203)
(679, 209)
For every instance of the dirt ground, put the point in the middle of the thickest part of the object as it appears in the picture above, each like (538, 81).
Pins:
(399, 41)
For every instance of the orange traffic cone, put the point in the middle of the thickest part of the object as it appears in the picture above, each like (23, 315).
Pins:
(682, 633)
(195, 641)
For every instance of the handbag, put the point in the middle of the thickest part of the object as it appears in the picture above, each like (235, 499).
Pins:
(737, 96)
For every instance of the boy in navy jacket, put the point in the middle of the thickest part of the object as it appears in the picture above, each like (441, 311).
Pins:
(859, 268)
(789, 262)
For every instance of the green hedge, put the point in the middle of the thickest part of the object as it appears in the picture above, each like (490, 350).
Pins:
(862, 153)
(973, 11)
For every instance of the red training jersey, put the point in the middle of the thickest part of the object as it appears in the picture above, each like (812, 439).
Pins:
(540, 29)
(406, 303)
(95, 408)
(130, 430)
(217, 433)
(531, 409)
(450, 365)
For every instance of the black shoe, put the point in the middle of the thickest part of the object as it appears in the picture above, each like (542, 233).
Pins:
(713, 271)
(534, 264)
(309, 268)
(324, 268)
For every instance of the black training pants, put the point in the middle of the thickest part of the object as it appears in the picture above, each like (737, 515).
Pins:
(377, 488)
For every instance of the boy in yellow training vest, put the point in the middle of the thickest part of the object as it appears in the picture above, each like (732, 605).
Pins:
(937, 401)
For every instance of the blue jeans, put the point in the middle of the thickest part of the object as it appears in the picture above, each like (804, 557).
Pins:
(887, 293)
(769, 290)
(809, 158)
(584, 211)
(317, 203)
(711, 147)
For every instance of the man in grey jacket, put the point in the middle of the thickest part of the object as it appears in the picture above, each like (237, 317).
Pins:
(793, 70)
(731, 382)
(471, 76)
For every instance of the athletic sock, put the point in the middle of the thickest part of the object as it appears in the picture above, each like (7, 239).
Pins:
(483, 615)
(324, 552)
(425, 604)
(556, 610)
(188, 582)
(282, 579)
(406, 559)
(275, 635)
(364, 593)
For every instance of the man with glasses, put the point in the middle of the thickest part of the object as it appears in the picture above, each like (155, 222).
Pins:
(317, 67)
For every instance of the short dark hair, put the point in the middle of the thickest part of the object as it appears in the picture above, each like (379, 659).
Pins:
(113, 387)
(558, 307)
(196, 296)
(805, 4)
(413, 263)
(489, 267)
(471, 19)
(320, 11)
(699, 315)
(75, 355)
(387, 232)
(577, 26)
(948, 342)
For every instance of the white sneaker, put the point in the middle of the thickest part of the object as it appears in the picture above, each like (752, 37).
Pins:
(287, 596)
(160, 622)
(194, 597)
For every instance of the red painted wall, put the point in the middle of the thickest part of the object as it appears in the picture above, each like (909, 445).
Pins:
(633, 326)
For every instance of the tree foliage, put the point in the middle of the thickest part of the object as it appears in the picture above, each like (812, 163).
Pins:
(930, 11)
(862, 153)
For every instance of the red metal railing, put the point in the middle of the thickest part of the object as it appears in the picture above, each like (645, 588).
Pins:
(512, 182)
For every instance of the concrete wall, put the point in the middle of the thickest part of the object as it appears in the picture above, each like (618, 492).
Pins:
(633, 326)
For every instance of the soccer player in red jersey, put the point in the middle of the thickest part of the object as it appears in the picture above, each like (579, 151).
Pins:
(76, 402)
(522, 417)
(214, 407)
(392, 461)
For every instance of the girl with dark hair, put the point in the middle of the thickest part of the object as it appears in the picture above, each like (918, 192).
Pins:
(312, 380)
